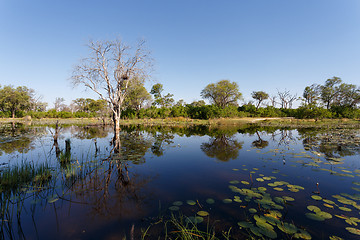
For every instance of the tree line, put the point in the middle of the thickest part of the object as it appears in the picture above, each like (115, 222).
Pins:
(333, 99)
(116, 72)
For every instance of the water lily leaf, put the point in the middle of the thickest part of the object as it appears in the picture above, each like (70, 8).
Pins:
(234, 182)
(259, 218)
(270, 233)
(353, 230)
(263, 224)
(315, 217)
(328, 201)
(227, 200)
(313, 208)
(259, 179)
(262, 189)
(245, 182)
(328, 205)
(245, 224)
(287, 228)
(191, 202)
(178, 203)
(256, 231)
(278, 199)
(194, 220)
(278, 189)
(267, 178)
(345, 209)
(210, 201)
(303, 234)
(289, 199)
(333, 237)
(174, 208)
(252, 210)
(316, 197)
(325, 215)
(293, 190)
(351, 222)
(202, 213)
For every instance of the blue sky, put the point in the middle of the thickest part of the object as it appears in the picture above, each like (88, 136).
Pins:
(260, 44)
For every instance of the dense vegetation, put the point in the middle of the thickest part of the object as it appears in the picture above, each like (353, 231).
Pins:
(334, 99)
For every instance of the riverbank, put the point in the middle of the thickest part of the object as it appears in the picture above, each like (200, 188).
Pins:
(282, 122)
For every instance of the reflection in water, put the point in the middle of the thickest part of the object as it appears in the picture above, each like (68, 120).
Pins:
(260, 143)
(222, 145)
(17, 137)
(334, 144)
(109, 190)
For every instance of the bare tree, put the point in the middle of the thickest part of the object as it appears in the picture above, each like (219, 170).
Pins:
(273, 101)
(286, 98)
(59, 104)
(109, 69)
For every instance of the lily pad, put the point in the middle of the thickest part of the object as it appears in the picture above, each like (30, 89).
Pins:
(174, 208)
(287, 228)
(194, 220)
(178, 203)
(353, 230)
(210, 201)
(289, 199)
(202, 213)
(245, 224)
(252, 210)
(333, 237)
(345, 209)
(234, 182)
(313, 208)
(227, 200)
(315, 217)
(245, 182)
(316, 197)
(191, 202)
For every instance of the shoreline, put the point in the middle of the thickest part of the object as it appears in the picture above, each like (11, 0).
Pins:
(257, 121)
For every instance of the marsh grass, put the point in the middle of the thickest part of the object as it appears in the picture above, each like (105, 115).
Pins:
(178, 227)
(24, 175)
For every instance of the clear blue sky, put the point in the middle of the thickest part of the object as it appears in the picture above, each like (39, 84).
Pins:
(260, 44)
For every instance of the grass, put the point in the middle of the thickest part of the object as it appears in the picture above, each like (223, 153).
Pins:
(15, 177)
(178, 227)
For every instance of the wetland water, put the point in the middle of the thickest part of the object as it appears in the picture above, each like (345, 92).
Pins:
(70, 183)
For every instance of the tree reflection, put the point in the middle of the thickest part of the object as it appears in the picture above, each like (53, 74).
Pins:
(335, 144)
(222, 145)
(17, 137)
(260, 143)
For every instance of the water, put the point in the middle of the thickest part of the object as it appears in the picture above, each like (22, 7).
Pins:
(97, 192)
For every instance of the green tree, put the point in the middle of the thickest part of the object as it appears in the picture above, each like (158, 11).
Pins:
(259, 96)
(222, 93)
(137, 95)
(329, 91)
(160, 100)
(348, 95)
(311, 95)
(15, 99)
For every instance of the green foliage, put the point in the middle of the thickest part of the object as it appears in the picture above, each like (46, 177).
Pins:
(313, 113)
(15, 99)
(259, 96)
(222, 93)
(137, 95)
(345, 112)
(160, 100)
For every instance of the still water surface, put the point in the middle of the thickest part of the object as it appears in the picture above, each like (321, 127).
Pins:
(259, 182)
